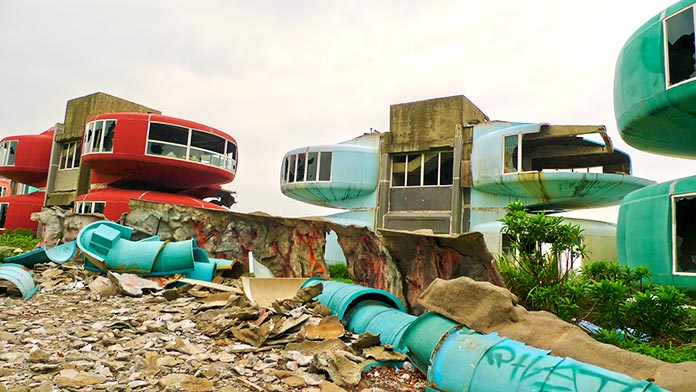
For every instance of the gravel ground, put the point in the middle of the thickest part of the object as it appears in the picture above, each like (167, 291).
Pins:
(67, 337)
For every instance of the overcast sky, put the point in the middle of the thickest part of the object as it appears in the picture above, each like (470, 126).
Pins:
(282, 74)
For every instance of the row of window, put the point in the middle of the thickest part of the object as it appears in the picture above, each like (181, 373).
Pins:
(89, 207)
(99, 136)
(8, 148)
(69, 156)
(309, 166)
(173, 141)
(422, 169)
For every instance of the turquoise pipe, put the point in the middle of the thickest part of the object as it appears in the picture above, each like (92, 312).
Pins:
(58, 254)
(21, 277)
(340, 297)
(106, 245)
(456, 358)
(423, 334)
(463, 361)
(377, 318)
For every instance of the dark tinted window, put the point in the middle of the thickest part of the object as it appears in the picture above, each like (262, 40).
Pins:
(446, 167)
(207, 141)
(312, 163)
(430, 172)
(325, 166)
(681, 49)
(398, 170)
(168, 133)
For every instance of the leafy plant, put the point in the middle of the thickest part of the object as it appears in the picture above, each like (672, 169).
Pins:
(543, 253)
(340, 272)
(627, 308)
(19, 238)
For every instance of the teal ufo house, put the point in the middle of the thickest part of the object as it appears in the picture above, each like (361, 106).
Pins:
(445, 166)
(655, 106)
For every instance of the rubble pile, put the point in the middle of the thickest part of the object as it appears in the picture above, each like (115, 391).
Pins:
(85, 331)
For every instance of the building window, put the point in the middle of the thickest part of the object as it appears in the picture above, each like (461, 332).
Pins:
(433, 168)
(3, 191)
(307, 167)
(511, 154)
(99, 136)
(24, 189)
(8, 149)
(178, 142)
(90, 207)
(680, 47)
(69, 156)
(3, 214)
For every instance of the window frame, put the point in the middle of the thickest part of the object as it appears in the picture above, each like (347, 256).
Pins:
(421, 156)
(7, 146)
(291, 162)
(227, 160)
(89, 207)
(4, 207)
(89, 137)
(665, 45)
(675, 260)
(74, 159)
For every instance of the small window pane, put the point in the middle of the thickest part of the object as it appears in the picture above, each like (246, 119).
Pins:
(301, 158)
(325, 166)
(109, 136)
(312, 163)
(291, 177)
(232, 150)
(168, 133)
(413, 170)
(166, 150)
(99, 207)
(11, 153)
(681, 50)
(430, 174)
(510, 158)
(446, 167)
(398, 170)
(286, 166)
(98, 126)
(3, 214)
(88, 137)
(207, 141)
(202, 156)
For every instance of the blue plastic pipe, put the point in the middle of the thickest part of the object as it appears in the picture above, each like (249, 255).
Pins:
(19, 276)
(456, 358)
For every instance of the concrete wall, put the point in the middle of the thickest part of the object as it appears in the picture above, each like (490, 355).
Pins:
(64, 186)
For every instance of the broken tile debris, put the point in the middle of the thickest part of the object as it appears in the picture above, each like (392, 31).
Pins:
(88, 332)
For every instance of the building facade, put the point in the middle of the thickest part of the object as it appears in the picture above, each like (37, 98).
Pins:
(108, 151)
(445, 166)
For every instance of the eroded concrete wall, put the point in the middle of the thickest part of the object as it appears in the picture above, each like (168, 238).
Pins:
(403, 263)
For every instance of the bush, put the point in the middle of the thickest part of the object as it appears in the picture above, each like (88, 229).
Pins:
(339, 272)
(19, 238)
(621, 301)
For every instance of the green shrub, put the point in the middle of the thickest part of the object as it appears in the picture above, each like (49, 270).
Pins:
(19, 238)
(632, 312)
(660, 312)
(339, 272)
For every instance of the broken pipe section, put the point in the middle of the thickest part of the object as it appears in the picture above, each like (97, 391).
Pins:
(456, 358)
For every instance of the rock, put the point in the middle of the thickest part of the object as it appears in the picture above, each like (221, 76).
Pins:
(71, 378)
(133, 285)
(103, 286)
(328, 328)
